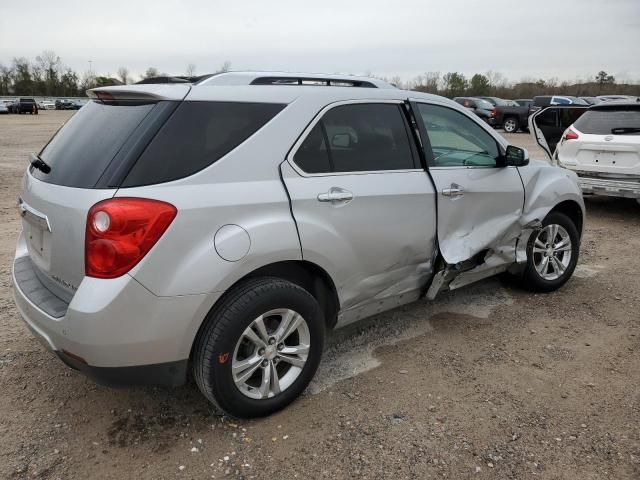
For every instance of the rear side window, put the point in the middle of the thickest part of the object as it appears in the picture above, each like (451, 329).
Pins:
(196, 136)
(83, 148)
(607, 122)
(360, 138)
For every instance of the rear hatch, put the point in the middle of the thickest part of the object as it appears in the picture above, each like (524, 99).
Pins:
(82, 164)
(608, 142)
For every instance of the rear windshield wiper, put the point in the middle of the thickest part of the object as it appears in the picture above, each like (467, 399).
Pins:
(623, 130)
(37, 162)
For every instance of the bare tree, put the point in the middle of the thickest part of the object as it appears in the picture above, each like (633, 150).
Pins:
(225, 67)
(151, 72)
(48, 66)
(191, 70)
(123, 75)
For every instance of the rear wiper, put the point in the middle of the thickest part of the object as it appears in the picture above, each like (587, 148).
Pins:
(37, 162)
(623, 130)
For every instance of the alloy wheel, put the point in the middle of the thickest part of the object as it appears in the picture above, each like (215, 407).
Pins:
(271, 353)
(552, 252)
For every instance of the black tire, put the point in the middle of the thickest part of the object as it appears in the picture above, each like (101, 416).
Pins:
(216, 342)
(531, 279)
(510, 125)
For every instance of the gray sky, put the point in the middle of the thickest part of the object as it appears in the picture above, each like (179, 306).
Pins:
(568, 39)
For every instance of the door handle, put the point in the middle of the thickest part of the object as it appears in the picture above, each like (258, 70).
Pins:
(454, 190)
(335, 195)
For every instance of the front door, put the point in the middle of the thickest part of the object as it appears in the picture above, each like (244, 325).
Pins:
(479, 201)
(364, 208)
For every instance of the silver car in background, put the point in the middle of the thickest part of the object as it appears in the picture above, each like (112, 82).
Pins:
(220, 228)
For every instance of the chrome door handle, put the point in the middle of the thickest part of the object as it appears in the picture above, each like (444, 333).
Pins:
(454, 190)
(336, 194)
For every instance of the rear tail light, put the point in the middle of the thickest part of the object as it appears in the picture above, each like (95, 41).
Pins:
(120, 232)
(493, 112)
(570, 135)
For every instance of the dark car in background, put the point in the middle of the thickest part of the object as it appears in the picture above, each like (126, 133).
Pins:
(542, 101)
(524, 102)
(509, 114)
(480, 107)
(25, 105)
(63, 104)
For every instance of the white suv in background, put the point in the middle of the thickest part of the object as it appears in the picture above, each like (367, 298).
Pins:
(602, 145)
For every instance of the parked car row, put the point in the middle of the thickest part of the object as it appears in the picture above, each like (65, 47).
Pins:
(30, 105)
(20, 105)
(513, 115)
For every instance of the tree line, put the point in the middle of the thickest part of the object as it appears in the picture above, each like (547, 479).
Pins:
(46, 75)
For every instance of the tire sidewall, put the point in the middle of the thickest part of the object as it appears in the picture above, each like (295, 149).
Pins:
(220, 379)
(531, 274)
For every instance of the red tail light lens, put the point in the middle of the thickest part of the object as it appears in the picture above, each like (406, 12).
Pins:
(493, 112)
(120, 232)
(570, 135)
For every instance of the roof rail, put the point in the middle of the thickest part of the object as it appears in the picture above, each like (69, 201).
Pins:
(327, 82)
(289, 78)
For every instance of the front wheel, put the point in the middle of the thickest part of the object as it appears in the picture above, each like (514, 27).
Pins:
(259, 348)
(552, 254)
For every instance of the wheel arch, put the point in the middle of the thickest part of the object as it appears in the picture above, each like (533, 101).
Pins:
(572, 210)
(307, 275)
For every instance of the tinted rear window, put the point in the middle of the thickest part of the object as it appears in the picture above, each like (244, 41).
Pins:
(197, 135)
(602, 122)
(83, 148)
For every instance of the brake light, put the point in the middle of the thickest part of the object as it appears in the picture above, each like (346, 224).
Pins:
(570, 135)
(493, 112)
(121, 231)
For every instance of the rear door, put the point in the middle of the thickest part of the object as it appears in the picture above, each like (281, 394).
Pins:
(479, 201)
(364, 207)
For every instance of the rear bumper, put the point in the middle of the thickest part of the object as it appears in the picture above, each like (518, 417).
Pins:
(118, 332)
(608, 187)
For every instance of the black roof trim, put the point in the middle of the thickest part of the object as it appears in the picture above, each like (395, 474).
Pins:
(173, 79)
(312, 81)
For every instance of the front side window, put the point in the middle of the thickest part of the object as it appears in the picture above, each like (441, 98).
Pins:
(456, 140)
(360, 138)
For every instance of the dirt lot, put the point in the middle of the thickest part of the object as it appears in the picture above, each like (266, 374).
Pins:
(489, 382)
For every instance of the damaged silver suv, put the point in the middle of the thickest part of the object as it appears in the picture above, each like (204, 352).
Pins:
(219, 228)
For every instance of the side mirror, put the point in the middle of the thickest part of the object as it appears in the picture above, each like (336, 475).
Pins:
(341, 140)
(516, 157)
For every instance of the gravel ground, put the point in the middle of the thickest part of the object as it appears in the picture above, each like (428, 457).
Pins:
(487, 382)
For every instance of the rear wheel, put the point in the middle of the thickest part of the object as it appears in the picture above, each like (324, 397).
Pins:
(260, 347)
(552, 254)
(510, 125)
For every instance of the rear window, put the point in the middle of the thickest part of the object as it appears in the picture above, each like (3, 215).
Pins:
(603, 122)
(83, 148)
(197, 135)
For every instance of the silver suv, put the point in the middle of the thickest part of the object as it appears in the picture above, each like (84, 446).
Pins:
(219, 228)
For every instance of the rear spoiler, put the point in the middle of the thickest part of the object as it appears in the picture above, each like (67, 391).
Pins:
(139, 93)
